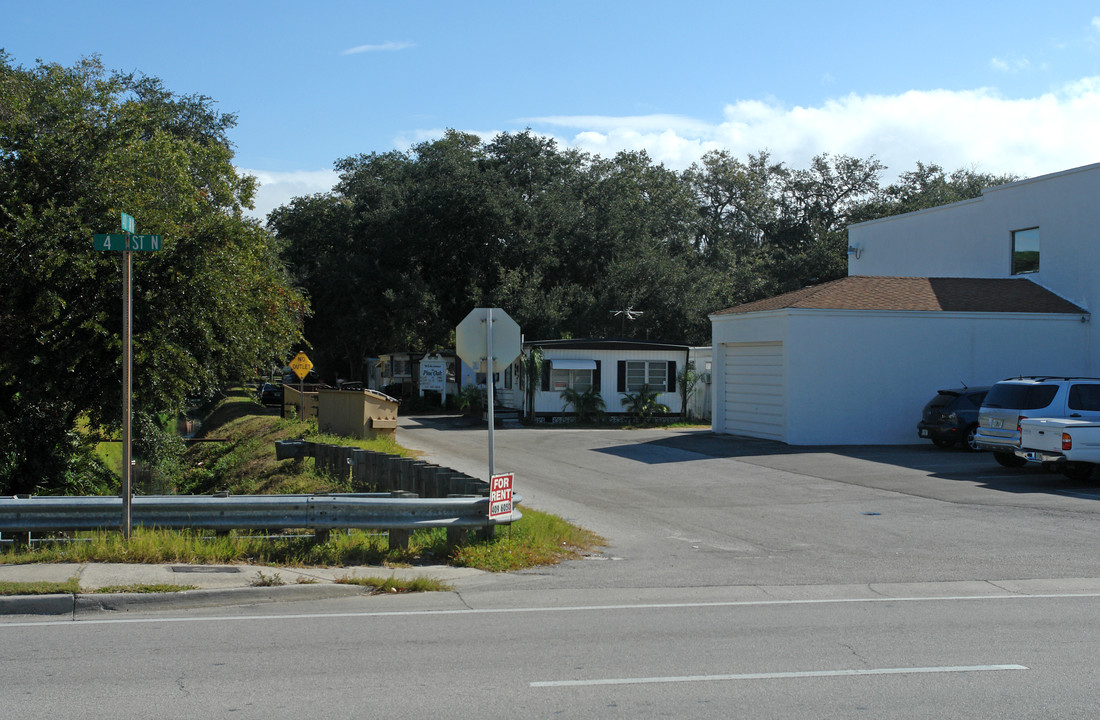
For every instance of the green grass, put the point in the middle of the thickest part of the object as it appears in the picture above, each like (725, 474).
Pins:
(395, 585)
(68, 587)
(537, 539)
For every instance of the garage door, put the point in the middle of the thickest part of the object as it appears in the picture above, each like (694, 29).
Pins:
(754, 398)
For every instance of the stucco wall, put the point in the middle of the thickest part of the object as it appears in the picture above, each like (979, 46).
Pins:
(863, 378)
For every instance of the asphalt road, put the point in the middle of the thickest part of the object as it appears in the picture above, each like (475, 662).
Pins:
(741, 579)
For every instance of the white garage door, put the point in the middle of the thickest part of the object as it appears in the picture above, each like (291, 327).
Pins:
(754, 389)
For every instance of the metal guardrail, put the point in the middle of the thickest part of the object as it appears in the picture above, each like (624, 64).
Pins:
(383, 511)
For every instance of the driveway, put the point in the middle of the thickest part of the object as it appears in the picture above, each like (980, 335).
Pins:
(689, 508)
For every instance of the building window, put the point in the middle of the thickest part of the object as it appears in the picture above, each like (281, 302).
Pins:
(1025, 251)
(579, 380)
(653, 373)
(401, 368)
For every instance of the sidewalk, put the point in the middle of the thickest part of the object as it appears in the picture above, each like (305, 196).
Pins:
(214, 584)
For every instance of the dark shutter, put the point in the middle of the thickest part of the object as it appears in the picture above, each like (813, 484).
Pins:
(621, 386)
(596, 378)
(546, 376)
(672, 376)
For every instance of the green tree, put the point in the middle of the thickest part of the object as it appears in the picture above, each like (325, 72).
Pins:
(78, 145)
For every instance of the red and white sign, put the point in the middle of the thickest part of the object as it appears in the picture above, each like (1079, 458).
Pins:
(500, 495)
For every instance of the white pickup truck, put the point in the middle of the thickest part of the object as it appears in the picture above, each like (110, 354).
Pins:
(1071, 446)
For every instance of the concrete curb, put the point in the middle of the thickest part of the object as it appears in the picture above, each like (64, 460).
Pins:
(91, 603)
(37, 604)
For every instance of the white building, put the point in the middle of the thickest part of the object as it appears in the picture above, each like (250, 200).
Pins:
(964, 294)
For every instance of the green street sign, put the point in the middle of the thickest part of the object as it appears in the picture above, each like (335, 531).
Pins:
(127, 223)
(115, 241)
(122, 241)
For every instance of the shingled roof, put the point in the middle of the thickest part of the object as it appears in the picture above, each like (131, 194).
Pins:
(862, 292)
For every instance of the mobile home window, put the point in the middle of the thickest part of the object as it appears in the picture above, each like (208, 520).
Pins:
(1025, 251)
(579, 380)
(646, 372)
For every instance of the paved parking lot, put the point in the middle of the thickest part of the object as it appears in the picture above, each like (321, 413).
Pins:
(688, 508)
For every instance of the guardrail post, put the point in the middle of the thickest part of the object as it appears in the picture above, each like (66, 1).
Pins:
(399, 537)
(321, 536)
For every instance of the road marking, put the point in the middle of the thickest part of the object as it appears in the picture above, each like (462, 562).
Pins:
(560, 609)
(776, 675)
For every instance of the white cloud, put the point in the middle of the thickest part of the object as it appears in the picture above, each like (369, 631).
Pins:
(1096, 24)
(980, 129)
(384, 47)
(955, 129)
(279, 188)
(1012, 65)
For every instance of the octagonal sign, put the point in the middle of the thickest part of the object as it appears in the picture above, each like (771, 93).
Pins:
(471, 339)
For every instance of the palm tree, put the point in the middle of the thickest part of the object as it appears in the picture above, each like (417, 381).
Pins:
(643, 404)
(587, 404)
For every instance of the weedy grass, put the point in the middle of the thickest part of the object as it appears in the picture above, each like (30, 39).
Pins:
(68, 587)
(139, 588)
(395, 585)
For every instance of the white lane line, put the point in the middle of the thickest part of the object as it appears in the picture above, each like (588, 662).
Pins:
(550, 609)
(777, 675)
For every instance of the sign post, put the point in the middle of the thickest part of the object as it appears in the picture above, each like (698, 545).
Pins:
(488, 339)
(126, 242)
(301, 365)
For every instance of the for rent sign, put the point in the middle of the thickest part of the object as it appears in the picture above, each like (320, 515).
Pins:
(500, 495)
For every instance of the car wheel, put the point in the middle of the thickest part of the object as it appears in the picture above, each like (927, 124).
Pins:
(943, 442)
(971, 441)
(1078, 471)
(1009, 460)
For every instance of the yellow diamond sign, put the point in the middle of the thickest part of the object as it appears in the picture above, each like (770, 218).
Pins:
(301, 365)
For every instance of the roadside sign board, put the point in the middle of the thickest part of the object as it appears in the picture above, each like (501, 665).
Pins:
(127, 223)
(433, 374)
(122, 241)
(301, 365)
(471, 339)
(500, 495)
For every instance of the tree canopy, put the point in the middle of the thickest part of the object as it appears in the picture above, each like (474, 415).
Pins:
(408, 242)
(78, 146)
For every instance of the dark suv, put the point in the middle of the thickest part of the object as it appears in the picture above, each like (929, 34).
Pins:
(952, 417)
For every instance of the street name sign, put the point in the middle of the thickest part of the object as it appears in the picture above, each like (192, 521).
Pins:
(127, 223)
(123, 242)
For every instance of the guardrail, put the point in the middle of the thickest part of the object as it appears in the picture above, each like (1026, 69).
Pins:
(397, 512)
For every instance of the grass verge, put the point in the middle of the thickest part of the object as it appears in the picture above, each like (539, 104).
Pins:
(381, 585)
(537, 539)
(68, 587)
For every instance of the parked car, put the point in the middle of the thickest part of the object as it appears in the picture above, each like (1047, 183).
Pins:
(952, 417)
(1015, 399)
(1067, 445)
(271, 394)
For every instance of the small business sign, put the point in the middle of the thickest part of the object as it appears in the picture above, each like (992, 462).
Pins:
(500, 495)
(433, 374)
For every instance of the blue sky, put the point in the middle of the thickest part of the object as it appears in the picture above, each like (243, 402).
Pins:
(1002, 87)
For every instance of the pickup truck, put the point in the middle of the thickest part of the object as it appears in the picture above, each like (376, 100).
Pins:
(1070, 446)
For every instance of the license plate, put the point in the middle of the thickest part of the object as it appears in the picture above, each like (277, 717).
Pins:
(996, 423)
(923, 432)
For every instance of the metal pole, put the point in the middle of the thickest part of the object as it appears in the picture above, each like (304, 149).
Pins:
(490, 390)
(127, 384)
